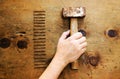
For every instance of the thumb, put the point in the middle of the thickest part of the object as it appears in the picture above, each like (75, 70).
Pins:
(64, 35)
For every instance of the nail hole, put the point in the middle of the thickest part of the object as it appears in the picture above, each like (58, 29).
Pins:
(112, 33)
(22, 44)
(83, 32)
(5, 42)
(20, 33)
(93, 60)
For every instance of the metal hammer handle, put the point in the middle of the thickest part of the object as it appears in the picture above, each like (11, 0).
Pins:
(74, 29)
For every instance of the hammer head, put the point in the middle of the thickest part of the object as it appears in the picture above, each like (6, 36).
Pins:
(74, 12)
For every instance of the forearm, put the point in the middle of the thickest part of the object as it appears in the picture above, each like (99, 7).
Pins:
(54, 69)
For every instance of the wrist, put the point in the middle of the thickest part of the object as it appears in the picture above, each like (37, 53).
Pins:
(59, 61)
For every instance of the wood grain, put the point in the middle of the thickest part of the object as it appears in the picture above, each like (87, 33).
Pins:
(102, 58)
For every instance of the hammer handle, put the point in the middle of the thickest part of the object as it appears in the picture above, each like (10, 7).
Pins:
(74, 29)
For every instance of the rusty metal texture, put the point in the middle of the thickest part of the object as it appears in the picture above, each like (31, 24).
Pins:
(24, 21)
(74, 12)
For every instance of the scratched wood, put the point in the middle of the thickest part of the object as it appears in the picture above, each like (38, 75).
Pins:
(101, 24)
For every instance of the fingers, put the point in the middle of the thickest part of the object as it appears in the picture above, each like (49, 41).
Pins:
(82, 51)
(81, 40)
(76, 35)
(83, 45)
(64, 35)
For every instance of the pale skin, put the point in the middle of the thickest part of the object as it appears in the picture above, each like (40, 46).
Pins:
(68, 50)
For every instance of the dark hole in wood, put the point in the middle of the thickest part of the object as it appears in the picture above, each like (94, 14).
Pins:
(93, 60)
(22, 44)
(5, 42)
(112, 33)
(83, 32)
(22, 32)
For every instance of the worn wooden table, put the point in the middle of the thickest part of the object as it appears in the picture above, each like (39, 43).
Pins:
(30, 29)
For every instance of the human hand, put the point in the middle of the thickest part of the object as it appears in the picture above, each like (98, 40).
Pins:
(68, 50)
(71, 48)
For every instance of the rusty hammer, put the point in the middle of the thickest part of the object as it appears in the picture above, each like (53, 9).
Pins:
(73, 14)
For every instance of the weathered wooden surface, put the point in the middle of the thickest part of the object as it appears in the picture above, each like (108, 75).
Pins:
(102, 58)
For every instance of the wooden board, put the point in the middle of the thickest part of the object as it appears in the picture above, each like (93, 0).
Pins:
(18, 56)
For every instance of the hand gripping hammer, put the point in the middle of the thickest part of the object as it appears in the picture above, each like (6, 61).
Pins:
(73, 14)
